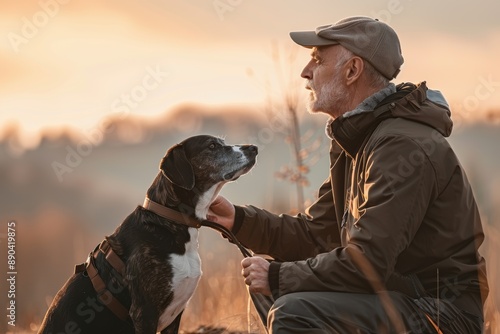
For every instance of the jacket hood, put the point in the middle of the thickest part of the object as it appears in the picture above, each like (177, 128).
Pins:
(424, 106)
(412, 102)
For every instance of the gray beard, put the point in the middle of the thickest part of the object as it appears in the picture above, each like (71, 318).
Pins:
(331, 99)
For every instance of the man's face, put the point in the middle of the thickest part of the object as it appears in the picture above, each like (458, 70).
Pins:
(325, 80)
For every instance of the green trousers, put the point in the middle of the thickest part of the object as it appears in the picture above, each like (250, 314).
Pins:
(345, 313)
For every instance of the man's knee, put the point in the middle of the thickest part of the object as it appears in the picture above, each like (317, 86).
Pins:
(294, 310)
(325, 312)
(290, 304)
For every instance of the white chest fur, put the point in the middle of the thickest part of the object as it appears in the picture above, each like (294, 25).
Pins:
(186, 274)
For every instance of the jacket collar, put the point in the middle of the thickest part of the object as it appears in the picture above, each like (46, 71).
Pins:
(367, 105)
(351, 129)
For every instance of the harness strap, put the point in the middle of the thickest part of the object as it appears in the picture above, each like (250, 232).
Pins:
(80, 268)
(112, 258)
(104, 295)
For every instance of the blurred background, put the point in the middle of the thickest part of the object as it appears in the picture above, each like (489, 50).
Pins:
(93, 93)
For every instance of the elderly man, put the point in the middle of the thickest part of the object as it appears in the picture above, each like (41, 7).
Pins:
(390, 245)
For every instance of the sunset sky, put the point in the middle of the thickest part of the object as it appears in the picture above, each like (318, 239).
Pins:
(71, 63)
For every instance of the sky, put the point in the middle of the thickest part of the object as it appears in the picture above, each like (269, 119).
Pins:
(74, 62)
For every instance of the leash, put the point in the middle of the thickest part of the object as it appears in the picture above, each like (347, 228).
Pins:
(187, 220)
(228, 235)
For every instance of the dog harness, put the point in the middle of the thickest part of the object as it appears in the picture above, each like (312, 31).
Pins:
(105, 296)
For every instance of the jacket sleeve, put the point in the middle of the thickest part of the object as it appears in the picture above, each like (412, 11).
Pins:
(289, 238)
(397, 185)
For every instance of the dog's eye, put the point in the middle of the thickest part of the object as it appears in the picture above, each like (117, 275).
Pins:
(213, 145)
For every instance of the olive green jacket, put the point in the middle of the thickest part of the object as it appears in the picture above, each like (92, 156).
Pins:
(395, 212)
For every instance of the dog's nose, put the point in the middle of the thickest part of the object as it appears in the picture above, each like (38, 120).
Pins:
(250, 148)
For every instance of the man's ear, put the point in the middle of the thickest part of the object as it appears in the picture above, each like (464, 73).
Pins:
(354, 70)
(176, 167)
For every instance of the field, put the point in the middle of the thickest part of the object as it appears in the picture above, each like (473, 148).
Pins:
(221, 304)
(58, 223)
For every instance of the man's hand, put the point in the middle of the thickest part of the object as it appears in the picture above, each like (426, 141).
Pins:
(222, 212)
(256, 273)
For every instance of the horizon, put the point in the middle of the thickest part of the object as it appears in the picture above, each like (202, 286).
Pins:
(25, 141)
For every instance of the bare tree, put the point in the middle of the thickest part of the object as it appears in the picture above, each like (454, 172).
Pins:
(304, 148)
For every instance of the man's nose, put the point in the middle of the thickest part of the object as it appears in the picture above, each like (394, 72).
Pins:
(307, 71)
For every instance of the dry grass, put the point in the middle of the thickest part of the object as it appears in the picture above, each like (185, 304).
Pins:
(221, 299)
(490, 250)
(220, 304)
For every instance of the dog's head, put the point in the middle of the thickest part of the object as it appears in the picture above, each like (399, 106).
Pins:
(196, 169)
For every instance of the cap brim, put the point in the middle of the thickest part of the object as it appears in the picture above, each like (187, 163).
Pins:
(309, 39)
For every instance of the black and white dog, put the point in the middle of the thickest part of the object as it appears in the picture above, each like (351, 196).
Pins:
(140, 278)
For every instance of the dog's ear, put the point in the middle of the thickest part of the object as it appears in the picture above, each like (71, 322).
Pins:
(176, 167)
